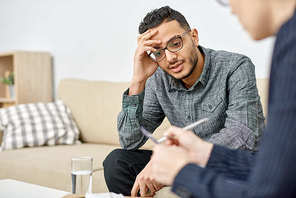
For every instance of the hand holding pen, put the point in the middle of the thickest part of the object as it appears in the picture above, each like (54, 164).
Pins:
(196, 148)
(187, 128)
(181, 148)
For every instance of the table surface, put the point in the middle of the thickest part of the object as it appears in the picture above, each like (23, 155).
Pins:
(10, 188)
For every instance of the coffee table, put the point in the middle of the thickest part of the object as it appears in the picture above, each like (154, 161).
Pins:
(10, 188)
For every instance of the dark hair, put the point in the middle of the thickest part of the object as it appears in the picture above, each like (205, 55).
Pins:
(157, 16)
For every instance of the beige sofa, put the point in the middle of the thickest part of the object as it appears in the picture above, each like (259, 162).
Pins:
(95, 106)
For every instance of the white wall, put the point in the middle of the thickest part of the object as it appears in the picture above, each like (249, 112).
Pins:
(95, 40)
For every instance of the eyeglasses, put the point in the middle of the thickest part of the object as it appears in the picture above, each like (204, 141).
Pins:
(223, 2)
(173, 45)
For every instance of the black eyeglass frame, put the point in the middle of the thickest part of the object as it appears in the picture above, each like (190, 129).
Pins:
(166, 48)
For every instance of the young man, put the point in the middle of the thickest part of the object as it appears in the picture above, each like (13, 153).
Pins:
(236, 173)
(175, 77)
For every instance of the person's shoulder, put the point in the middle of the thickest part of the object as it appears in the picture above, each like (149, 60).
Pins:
(223, 56)
(288, 28)
(283, 59)
(286, 36)
(229, 61)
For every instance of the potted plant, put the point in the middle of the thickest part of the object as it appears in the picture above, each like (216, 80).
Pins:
(8, 80)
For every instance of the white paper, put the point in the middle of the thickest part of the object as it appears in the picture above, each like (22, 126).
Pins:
(103, 195)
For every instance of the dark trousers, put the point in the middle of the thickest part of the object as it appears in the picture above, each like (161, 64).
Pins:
(121, 168)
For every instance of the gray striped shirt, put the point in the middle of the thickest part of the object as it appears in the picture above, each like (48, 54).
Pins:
(226, 92)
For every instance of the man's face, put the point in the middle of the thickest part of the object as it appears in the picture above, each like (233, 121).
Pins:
(178, 64)
(254, 15)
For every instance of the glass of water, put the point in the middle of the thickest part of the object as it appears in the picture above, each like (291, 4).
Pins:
(81, 170)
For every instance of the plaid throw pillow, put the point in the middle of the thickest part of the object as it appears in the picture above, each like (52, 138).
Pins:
(38, 124)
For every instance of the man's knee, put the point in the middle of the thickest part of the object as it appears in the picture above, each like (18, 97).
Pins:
(113, 163)
(112, 158)
(116, 170)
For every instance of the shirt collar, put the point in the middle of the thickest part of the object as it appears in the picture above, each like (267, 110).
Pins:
(203, 79)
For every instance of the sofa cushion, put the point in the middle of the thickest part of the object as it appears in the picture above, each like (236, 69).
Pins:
(95, 105)
(37, 124)
(51, 165)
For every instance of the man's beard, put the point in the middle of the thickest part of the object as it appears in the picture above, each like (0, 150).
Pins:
(193, 62)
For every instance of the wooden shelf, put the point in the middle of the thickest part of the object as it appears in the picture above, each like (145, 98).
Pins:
(7, 100)
(32, 77)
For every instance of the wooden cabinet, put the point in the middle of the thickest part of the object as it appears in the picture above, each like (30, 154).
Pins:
(32, 77)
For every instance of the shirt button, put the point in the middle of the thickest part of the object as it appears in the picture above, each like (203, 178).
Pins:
(210, 106)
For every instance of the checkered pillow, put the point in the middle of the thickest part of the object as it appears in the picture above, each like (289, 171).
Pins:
(38, 124)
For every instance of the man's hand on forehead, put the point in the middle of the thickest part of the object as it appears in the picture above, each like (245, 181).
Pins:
(149, 44)
(147, 35)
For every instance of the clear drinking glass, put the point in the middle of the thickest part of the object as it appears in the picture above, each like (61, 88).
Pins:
(81, 171)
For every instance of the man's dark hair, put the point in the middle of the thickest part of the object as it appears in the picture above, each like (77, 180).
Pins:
(157, 16)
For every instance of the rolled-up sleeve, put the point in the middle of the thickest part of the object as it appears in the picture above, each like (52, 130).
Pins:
(138, 110)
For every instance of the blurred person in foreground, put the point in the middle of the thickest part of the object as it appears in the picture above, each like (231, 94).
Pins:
(202, 169)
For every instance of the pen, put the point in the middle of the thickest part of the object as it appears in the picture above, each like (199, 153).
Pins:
(149, 135)
(189, 127)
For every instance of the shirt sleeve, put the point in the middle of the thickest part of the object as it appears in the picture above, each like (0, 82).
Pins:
(138, 110)
(235, 164)
(244, 116)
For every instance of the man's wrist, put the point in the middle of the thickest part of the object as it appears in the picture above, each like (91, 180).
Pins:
(136, 87)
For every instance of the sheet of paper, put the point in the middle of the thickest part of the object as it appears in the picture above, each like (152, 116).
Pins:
(104, 195)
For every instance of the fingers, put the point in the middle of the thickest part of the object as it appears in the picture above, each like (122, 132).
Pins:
(143, 189)
(172, 141)
(147, 35)
(180, 137)
(157, 186)
(144, 183)
(174, 132)
(142, 35)
(145, 43)
(135, 189)
(150, 191)
(151, 42)
(147, 188)
(146, 48)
